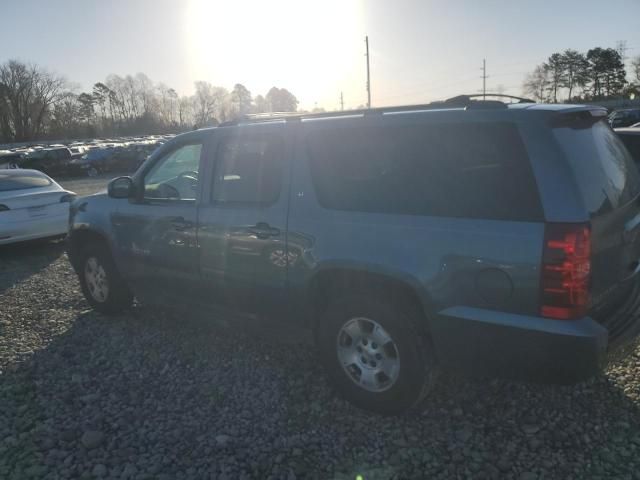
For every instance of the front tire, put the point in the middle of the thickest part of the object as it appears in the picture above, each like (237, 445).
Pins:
(101, 283)
(375, 353)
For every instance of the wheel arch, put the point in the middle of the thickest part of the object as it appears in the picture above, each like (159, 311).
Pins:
(335, 279)
(78, 238)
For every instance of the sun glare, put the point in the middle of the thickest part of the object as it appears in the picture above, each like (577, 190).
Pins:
(313, 48)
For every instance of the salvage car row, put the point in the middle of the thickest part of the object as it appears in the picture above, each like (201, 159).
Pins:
(83, 158)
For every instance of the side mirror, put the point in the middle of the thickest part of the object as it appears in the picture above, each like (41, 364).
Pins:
(121, 187)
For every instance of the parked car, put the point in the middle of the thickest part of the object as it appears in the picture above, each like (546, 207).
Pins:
(490, 238)
(112, 159)
(93, 162)
(624, 118)
(631, 139)
(10, 159)
(52, 161)
(32, 205)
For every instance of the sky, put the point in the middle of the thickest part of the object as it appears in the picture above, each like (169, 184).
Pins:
(420, 50)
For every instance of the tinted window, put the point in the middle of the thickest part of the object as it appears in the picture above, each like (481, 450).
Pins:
(454, 170)
(604, 169)
(632, 142)
(37, 155)
(175, 175)
(249, 170)
(22, 181)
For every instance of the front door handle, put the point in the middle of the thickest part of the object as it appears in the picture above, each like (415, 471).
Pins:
(264, 230)
(180, 224)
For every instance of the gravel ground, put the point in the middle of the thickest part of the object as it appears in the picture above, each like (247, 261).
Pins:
(149, 395)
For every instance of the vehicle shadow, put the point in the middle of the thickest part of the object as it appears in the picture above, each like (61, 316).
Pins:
(21, 260)
(196, 395)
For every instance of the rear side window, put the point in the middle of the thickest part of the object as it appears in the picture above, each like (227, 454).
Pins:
(468, 170)
(21, 182)
(604, 170)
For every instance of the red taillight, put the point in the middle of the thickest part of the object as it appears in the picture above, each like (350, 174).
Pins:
(566, 271)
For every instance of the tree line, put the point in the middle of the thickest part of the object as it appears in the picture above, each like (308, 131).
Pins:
(37, 104)
(573, 76)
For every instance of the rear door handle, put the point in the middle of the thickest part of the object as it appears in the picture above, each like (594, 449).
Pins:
(180, 224)
(264, 230)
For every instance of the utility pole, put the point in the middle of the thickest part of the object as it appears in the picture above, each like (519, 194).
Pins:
(484, 78)
(341, 101)
(366, 41)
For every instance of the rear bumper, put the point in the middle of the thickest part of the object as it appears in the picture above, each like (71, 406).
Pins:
(523, 347)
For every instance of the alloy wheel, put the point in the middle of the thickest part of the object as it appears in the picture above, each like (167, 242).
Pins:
(368, 354)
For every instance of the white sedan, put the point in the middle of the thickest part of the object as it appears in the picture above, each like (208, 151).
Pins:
(32, 206)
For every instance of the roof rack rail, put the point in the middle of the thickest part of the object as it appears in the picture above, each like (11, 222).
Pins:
(460, 101)
(295, 116)
(468, 97)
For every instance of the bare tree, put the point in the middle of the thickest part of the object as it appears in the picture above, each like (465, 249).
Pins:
(27, 95)
(35, 103)
(185, 112)
(65, 115)
(536, 83)
(167, 100)
(144, 90)
(208, 103)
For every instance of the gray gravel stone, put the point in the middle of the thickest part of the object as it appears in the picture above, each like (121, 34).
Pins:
(174, 396)
(222, 440)
(92, 439)
(99, 470)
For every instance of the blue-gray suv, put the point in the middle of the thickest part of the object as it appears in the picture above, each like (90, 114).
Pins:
(473, 235)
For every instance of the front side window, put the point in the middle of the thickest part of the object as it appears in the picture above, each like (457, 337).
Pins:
(249, 170)
(175, 175)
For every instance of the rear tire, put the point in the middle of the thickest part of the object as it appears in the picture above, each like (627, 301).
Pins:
(387, 379)
(101, 283)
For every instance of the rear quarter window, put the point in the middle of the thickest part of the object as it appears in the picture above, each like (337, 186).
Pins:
(603, 168)
(466, 170)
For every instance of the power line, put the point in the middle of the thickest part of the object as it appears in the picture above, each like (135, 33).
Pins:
(366, 41)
